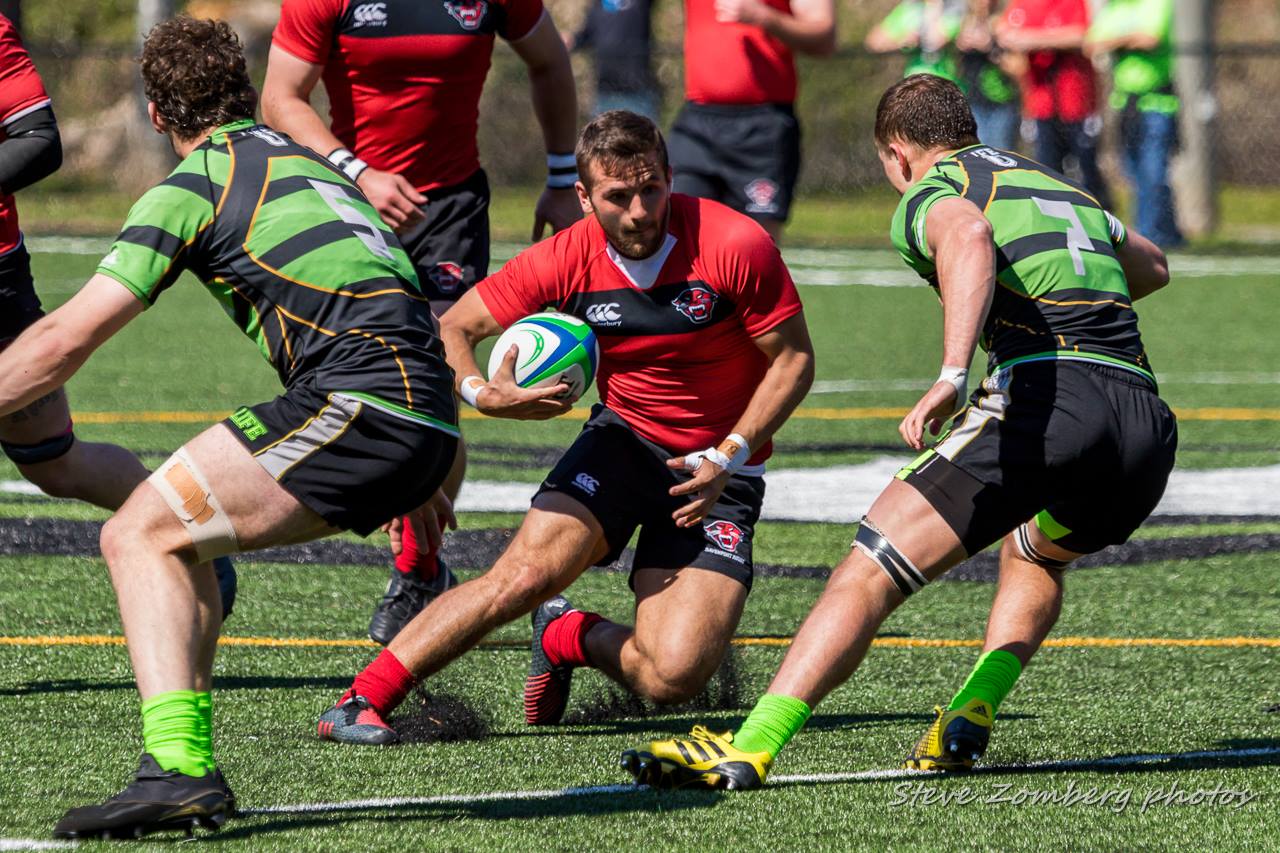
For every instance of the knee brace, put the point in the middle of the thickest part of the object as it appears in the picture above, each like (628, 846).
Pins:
(186, 490)
(905, 576)
(1028, 552)
(44, 451)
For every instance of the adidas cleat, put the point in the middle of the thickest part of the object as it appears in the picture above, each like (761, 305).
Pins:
(703, 760)
(354, 720)
(955, 739)
(226, 792)
(157, 800)
(405, 598)
(546, 688)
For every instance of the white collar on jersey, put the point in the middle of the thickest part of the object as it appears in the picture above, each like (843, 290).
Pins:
(643, 273)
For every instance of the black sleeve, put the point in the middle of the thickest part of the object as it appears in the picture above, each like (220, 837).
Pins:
(31, 150)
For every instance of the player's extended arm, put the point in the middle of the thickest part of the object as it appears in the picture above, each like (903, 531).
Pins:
(286, 106)
(50, 351)
(1146, 268)
(1131, 41)
(464, 326)
(32, 150)
(960, 239)
(810, 27)
(1070, 37)
(785, 383)
(555, 103)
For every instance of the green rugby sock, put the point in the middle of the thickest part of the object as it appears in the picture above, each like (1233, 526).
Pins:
(204, 704)
(991, 680)
(172, 732)
(772, 722)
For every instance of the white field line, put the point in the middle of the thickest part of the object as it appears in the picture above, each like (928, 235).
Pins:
(786, 779)
(33, 844)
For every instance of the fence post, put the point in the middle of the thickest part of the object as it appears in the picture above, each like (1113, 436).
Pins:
(1195, 178)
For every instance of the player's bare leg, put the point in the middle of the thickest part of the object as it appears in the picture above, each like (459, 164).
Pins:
(101, 474)
(684, 621)
(1028, 599)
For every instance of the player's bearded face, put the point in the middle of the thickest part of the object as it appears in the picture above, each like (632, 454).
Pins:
(633, 206)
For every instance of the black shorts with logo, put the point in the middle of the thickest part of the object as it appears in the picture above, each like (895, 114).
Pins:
(623, 480)
(355, 465)
(1084, 448)
(450, 246)
(743, 156)
(19, 305)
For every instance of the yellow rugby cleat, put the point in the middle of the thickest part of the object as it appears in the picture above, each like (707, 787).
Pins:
(702, 760)
(955, 740)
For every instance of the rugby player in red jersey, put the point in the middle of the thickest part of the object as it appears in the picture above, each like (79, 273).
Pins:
(404, 79)
(736, 140)
(39, 438)
(704, 353)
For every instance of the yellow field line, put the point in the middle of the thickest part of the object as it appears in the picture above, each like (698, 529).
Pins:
(885, 642)
(854, 413)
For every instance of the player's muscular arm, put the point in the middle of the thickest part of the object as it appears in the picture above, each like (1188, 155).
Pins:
(555, 103)
(785, 383)
(1146, 268)
(48, 353)
(960, 240)
(809, 28)
(286, 106)
(464, 326)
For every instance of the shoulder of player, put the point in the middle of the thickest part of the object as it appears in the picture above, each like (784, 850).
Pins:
(712, 226)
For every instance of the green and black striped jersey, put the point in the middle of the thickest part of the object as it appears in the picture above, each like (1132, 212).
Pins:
(302, 263)
(1061, 293)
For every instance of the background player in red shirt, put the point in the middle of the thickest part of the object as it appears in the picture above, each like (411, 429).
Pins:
(404, 79)
(40, 439)
(704, 354)
(736, 140)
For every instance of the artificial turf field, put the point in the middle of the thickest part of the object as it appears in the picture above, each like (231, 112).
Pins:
(1163, 682)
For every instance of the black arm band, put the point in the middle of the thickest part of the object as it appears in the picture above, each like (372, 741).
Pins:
(32, 150)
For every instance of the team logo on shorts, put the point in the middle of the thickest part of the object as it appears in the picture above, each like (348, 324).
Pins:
(762, 196)
(696, 302)
(369, 15)
(468, 13)
(447, 277)
(726, 534)
(587, 483)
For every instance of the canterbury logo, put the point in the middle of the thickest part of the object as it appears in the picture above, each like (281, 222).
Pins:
(604, 314)
(370, 15)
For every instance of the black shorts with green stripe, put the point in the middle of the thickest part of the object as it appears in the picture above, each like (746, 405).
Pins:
(1083, 448)
(356, 461)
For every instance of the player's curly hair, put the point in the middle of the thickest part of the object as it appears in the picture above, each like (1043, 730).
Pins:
(615, 140)
(193, 70)
(927, 111)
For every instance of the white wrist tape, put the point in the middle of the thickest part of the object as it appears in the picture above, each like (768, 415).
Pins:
(469, 390)
(353, 168)
(340, 157)
(734, 443)
(562, 170)
(959, 379)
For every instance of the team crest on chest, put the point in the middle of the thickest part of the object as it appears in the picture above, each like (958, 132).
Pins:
(696, 302)
(726, 534)
(468, 13)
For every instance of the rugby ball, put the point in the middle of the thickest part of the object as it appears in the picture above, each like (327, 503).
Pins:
(554, 348)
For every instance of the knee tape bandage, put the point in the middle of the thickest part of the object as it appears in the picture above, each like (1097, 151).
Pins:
(1028, 552)
(186, 490)
(905, 576)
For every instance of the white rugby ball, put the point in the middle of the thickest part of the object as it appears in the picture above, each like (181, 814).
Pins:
(553, 348)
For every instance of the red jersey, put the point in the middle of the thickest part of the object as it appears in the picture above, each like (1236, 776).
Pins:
(1058, 84)
(677, 360)
(734, 63)
(404, 76)
(21, 93)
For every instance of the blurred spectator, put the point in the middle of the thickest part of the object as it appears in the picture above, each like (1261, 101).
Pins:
(1138, 35)
(923, 29)
(1059, 89)
(987, 75)
(619, 34)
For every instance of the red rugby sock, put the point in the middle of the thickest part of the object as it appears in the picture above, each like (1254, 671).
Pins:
(385, 682)
(565, 640)
(411, 561)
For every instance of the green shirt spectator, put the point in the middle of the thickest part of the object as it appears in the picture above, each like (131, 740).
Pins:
(1139, 32)
(924, 29)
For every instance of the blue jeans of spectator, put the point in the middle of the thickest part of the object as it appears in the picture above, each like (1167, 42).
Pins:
(645, 103)
(998, 124)
(1149, 139)
(1056, 139)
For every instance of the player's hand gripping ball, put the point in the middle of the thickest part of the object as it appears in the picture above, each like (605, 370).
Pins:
(553, 348)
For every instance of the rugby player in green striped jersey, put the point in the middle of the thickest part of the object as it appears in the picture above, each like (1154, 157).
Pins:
(1064, 448)
(364, 432)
